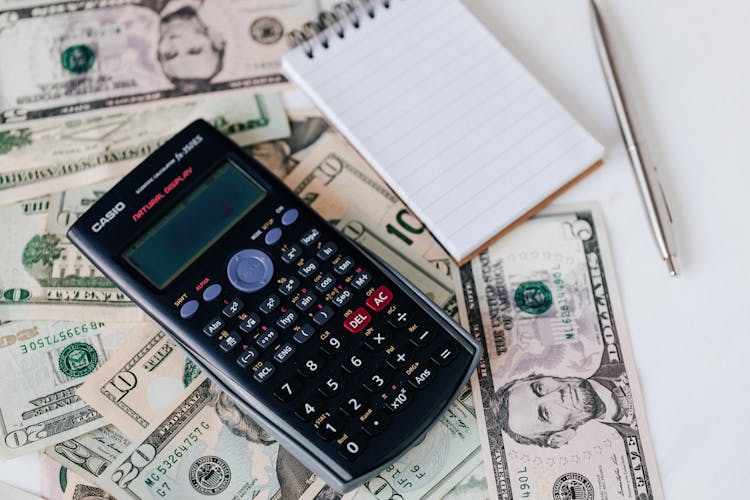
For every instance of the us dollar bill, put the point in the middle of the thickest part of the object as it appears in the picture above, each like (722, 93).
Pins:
(78, 488)
(431, 469)
(44, 276)
(437, 286)
(140, 382)
(88, 455)
(333, 179)
(42, 363)
(81, 150)
(556, 388)
(69, 58)
(205, 446)
(472, 487)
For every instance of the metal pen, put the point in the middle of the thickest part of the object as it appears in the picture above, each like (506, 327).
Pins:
(652, 193)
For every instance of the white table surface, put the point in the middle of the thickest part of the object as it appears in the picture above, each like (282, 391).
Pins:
(685, 65)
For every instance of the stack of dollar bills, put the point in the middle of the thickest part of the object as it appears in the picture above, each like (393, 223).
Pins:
(87, 381)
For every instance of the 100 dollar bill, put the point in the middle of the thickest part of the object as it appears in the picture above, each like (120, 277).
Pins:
(89, 149)
(77, 57)
(556, 388)
(41, 365)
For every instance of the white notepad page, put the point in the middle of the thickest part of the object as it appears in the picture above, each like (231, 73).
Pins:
(465, 136)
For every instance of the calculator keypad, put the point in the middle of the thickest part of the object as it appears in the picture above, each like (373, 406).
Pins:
(345, 350)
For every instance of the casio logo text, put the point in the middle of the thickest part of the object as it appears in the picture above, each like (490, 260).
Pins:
(108, 217)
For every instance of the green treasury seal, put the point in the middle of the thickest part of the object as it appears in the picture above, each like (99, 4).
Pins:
(78, 58)
(533, 297)
(78, 360)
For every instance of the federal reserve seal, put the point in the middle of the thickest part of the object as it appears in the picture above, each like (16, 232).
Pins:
(266, 30)
(210, 475)
(78, 58)
(78, 360)
(572, 486)
(533, 297)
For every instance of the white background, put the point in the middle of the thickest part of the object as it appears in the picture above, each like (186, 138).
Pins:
(686, 68)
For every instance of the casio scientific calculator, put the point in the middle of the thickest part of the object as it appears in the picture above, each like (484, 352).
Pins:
(338, 356)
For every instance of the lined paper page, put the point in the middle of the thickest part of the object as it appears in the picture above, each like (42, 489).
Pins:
(466, 137)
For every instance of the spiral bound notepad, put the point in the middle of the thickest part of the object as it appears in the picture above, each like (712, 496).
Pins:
(458, 128)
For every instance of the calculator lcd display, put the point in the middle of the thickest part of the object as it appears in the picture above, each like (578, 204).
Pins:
(194, 224)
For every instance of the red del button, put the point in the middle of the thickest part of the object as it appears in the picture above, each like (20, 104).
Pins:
(381, 298)
(357, 320)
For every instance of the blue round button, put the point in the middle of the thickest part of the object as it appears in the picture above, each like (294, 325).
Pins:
(189, 308)
(211, 292)
(289, 217)
(249, 270)
(273, 236)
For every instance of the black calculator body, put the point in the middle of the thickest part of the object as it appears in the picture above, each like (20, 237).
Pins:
(339, 357)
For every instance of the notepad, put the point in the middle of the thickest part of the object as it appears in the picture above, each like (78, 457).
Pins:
(458, 128)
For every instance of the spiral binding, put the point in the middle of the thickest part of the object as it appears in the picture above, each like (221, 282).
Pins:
(343, 13)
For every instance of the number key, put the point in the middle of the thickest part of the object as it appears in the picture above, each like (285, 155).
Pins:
(354, 404)
(329, 427)
(356, 361)
(309, 409)
(377, 381)
(288, 390)
(332, 344)
(353, 447)
(310, 367)
(332, 385)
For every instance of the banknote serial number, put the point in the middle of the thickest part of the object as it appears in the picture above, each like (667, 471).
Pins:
(48, 340)
(523, 483)
(177, 453)
(561, 296)
(404, 481)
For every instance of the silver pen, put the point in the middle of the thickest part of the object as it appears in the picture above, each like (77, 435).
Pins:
(652, 193)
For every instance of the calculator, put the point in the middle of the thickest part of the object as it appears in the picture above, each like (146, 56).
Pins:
(336, 354)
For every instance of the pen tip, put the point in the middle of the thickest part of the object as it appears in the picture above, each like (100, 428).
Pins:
(671, 265)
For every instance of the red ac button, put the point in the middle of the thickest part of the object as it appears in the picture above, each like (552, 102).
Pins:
(381, 298)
